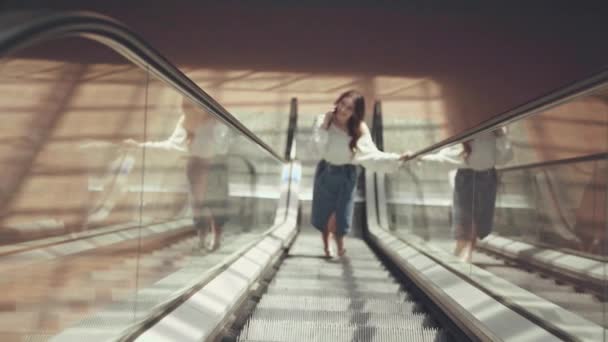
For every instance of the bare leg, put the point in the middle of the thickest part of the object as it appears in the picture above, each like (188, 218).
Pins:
(197, 179)
(215, 229)
(325, 237)
(331, 224)
(217, 236)
(467, 254)
(330, 230)
(340, 244)
(202, 236)
(473, 243)
(339, 238)
(461, 243)
(459, 246)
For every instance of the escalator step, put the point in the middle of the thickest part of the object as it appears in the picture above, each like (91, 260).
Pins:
(346, 263)
(334, 272)
(388, 286)
(295, 331)
(396, 295)
(337, 304)
(383, 319)
(333, 279)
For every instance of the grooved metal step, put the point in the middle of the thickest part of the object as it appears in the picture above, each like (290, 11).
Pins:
(396, 295)
(295, 331)
(312, 298)
(412, 320)
(388, 286)
(303, 272)
(360, 264)
(335, 304)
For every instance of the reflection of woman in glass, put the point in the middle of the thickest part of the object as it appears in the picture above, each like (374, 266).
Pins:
(342, 139)
(475, 186)
(199, 135)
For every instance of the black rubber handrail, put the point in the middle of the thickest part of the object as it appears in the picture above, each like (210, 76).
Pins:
(378, 126)
(21, 29)
(291, 130)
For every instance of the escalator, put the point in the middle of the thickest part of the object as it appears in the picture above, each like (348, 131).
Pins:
(268, 282)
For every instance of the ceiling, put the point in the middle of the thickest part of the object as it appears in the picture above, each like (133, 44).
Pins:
(487, 59)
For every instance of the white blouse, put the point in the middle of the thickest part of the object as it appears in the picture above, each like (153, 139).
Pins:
(487, 151)
(332, 145)
(210, 139)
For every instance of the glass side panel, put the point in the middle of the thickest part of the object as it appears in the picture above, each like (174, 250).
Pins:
(416, 110)
(216, 190)
(258, 99)
(455, 200)
(67, 224)
(102, 204)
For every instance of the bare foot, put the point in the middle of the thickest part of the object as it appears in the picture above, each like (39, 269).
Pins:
(216, 242)
(342, 252)
(466, 257)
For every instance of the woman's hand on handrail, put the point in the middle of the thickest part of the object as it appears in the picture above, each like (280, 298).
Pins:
(129, 144)
(405, 156)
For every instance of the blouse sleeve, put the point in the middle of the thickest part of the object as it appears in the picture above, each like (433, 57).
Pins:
(176, 142)
(223, 139)
(368, 156)
(319, 137)
(449, 155)
(504, 151)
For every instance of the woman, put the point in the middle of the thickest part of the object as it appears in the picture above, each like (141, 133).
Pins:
(342, 139)
(475, 185)
(205, 142)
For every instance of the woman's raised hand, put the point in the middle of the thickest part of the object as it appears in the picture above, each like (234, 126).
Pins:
(329, 116)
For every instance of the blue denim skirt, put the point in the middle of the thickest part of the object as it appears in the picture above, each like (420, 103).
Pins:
(333, 192)
(474, 201)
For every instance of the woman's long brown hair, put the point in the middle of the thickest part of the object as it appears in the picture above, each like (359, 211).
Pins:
(466, 149)
(354, 122)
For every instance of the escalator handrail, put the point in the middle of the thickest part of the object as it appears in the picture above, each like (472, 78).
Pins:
(292, 129)
(38, 26)
(580, 88)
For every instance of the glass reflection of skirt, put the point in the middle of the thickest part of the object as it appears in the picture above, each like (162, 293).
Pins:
(208, 181)
(473, 203)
